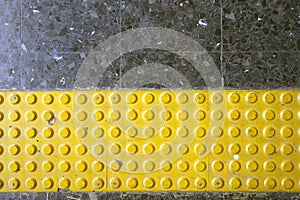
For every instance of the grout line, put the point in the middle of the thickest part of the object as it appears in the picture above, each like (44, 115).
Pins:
(221, 58)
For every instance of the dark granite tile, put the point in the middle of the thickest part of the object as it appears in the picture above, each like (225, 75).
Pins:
(261, 25)
(261, 70)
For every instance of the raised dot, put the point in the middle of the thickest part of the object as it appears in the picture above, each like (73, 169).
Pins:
(183, 183)
(64, 99)
(114, 115)
(115, 165)
(217, 166)
(115, 98)
(1, 167)
(252, 183)
(81, 116)
(251, 132)
(98, 132)
(252, 165)
(13, 183)
(30, 149)
(64, 149)
(132, 148)
(182, 166)
(115, 149)
(217, 115)
(286, 115)
(217, 98)
(149, 132)
(166, 166)
(269, 115)
(1, 184)
(47, 149)
(217, 182)
(286, 149)
(166, 183)
(81, 99)
(48, 115)
(251, 97)
(131, 183)
(1, 99)
(200, 115)
(131, 165)
(234, 148)
(115, 183)
(182, 149)
(14, 116)
(98, 149)
(31, 116)
(64, 166)
(251, 115)
(47, 166)
(251, 149)
(165, 98)
(131, 132)
(200, 98)
(132, 98)
(98, 183)
(132, 115)
(149, 165)
(48, 99)
(81, 166)
(166, 149)
(286, 132)
(234, 166)
(81, 183)
(200, 132)
(31, 99)
(30, 166)
(1, 116)
(235, 183)
(286, 98)
(269, 132)
(200, 149)
(14, 166)
(98, 166)
(234, 131)
(64, 183)
(48, 132)
(182, 132)
(14, 149)
(182, 115)
(30, 183)
(217, 149)
(148, 115)
(14, 132)
(64, 132)
(98, 99)
(81, 149)
(98, 115)
(1, 132)
(234, 97)
(200, 166)
(14, 99)
(115, 132)
(200, 183)
(234, 115)
(269, 149)
(287, 166)
(148, 148)
(166, 132)
(182, 98)
(269, 98)
(287, 183)
(166, 115)
(269, 166)
(270, 183)
(148, 98)
(148, 183)
(217, 131)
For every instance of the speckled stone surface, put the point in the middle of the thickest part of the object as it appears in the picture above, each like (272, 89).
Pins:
(254, 43)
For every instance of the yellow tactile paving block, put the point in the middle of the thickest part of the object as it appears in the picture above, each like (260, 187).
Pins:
(150, 140)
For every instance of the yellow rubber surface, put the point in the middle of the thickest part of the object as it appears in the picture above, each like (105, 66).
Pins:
(151, 140)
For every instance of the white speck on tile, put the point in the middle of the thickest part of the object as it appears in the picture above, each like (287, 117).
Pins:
(236, 157)
(202, 22)
(23, 46)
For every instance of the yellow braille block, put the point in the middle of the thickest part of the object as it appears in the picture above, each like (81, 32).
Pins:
(150, 140)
